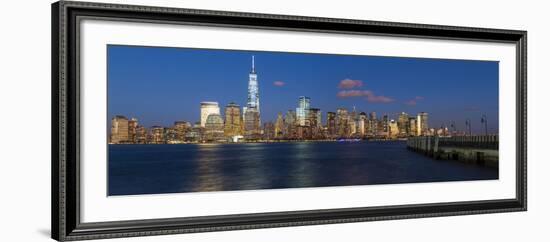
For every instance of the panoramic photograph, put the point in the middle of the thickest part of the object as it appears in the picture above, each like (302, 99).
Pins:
(183, 120)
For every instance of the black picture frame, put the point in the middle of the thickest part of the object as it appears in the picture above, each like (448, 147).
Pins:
(66, 224)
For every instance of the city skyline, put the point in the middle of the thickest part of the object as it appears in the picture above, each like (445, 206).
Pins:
(281, 76)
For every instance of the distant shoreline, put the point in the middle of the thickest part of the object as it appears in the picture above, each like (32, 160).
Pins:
(270, 142)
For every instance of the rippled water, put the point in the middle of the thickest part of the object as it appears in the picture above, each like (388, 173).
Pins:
(150, 169)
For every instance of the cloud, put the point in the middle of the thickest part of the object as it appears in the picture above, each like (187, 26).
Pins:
(349, 84)
(278, 83)
(379, 99)
(411, 102)
(353, 93)
(368, 94)
(414, 101)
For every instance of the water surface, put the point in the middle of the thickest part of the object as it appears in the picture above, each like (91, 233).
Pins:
(152, 169)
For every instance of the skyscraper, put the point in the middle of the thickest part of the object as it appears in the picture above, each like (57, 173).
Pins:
(412, 126)
(119, 130)
(232, 120)
(208, 108)
(290, 124)
(157, 135)
(214, 129)
(315, 123)
(252, 128)
(302, 111)
(181, 127)
(362, 125)
(132, 126)
(331, 124)
(279, 126)
(342, 122)
(141, 135)
(403, 124)
(253, 100)
(422, 123)
(251, 113)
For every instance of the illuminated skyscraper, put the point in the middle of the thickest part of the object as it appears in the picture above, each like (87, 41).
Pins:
(393, 129)
(157, 135)
(252, 128)
(214, 127)
(353, 121)
(279, 126)
(132, 126)
(252, 109)
(208, 108)
(331, 124)
(119, 130)
(302, 111)
(233, 122)
(422, 123)
(141, 135)
(290, 124)
(362, 124)
(412, 126)
(181, 127)
(253, 100)
(342, 122)
(403, 124)
(315, 122)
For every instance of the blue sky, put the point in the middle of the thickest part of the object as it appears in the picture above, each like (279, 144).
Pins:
(161, 85)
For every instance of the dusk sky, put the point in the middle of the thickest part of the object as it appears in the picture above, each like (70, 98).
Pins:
(161, 85)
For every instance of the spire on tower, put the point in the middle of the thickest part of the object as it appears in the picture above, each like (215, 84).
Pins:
(253, 69)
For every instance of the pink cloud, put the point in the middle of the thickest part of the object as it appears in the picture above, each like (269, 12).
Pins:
(368, 94)
(414, 101)
(411, 102)
(278, 83)
(353, 93)
(379, 99)
(349, 84)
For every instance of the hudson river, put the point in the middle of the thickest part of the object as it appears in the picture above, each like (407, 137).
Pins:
(150, 169)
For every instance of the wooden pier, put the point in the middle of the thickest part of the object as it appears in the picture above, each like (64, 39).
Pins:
(480, 149)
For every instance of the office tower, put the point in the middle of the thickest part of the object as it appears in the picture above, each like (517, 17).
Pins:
(422, 124)
(119, 130)
(141, 135)
(342, 122)
(314, 117)
(132, 125)
(290, 124)
(269, 131)
(252, 129)
(353, 121)
(373, 124)
(362, 124)
(233, 122)
(157, 135)
(302, 111)
(412, 126)
(170, 136)
(403, 124)
(331, 124)
(214, 128)
(315, 122)
(208, 108)
(253, 100)
(393, 129)
(279, 126)
(251, 113)
(181, 127)
(385, 123)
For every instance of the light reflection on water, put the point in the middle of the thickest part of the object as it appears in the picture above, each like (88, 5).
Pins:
(150, 169)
